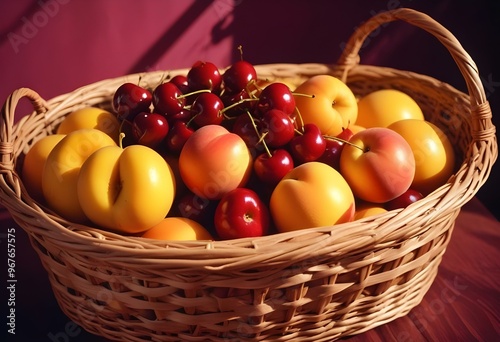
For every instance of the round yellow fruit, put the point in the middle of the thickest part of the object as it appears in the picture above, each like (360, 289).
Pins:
(91, 117)
(381, 108)
(178, 229)
(313, 194)
(356, 128)
(332, 108)
(126, 189)
(61, 169)
(34, 161)
(366, 209)
(433, 152)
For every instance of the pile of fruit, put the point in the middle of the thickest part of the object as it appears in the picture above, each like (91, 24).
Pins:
(224, 154)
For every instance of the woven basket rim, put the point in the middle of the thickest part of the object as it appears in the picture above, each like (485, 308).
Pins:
(106, 240)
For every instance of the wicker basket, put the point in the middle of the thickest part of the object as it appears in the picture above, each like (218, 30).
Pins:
(312, 285)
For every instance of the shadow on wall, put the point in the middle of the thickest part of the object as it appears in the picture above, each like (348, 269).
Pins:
(7, 33)
(153, 55)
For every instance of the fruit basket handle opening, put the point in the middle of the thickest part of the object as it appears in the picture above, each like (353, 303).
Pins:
(483, 128)
(9, 131)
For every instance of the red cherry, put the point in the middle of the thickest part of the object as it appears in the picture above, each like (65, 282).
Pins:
(270, 169)
(241, 213)
(346, 134)
(177, 136)
(167, 100)
(276, 96)
(130, 99)
(308, 146)
(278, 128)
(197, 208)
(149, 129)
(181, 82)
(408, 197)
(244, 127)
(204, 75)
(331, 156)
(334, 148)
(184, 115)
(237, 102)
(238, 76)
(207, 109)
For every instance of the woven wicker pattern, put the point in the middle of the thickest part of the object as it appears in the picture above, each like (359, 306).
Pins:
(313, 285)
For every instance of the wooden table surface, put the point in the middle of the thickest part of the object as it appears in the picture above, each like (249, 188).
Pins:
(463, 303)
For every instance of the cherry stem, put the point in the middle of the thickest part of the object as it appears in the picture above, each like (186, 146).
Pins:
(257, 88)
(194, 93)
(312, 96)
(120, 139)
(343, 141)
(191, 119)
(120, 129)
(261, 137)
(300, 119)
(232, 105)
(265, 145)
(240, 49)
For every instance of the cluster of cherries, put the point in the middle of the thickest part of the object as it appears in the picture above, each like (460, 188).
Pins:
(262, 113)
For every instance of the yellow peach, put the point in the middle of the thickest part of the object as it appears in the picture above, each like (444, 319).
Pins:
(91, 117)
(313, 194)
(34, 162)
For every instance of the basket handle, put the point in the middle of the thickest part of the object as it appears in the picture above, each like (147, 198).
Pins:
(482, 126)
(7, 120)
